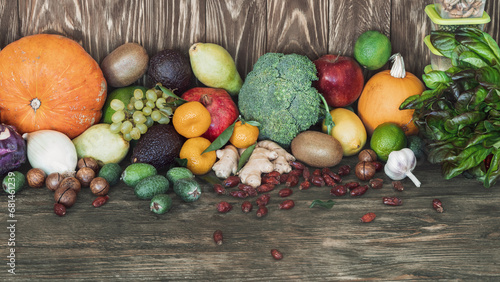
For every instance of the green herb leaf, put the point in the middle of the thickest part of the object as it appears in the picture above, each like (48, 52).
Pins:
(245, 156)
(253, 122)
(328, 204)
(179, 100)
(222, 139)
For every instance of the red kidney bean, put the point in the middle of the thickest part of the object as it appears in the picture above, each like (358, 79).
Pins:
(219, 189)
(286, 205)
(59, 209)
(376, 183)
(99, 201)
(277, 255)
(283, 177)
(369, 217)
(231, 181)
(437, 205)
(218, 237)
(270, 180)
(344, 170)
(317, 180)
(263, 199)
(352, 185)
(338, 190)
(305, 185)
(392, 201)
(285, 192)
(297, 165)
(262, 211)
(264, 188)
(358, 191)
(306, 173)
(398, 185)
(239, 194)
(292, 180)
(246, 206)
(224, 207)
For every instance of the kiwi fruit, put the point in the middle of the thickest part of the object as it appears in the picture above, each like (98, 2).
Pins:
(317, 149)
(124, 65)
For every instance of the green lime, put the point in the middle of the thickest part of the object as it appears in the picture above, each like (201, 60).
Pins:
(124, 94)
(386, 138)
(372, 49)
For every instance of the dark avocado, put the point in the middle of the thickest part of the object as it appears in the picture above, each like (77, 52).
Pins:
(159, 146)
(172, 69)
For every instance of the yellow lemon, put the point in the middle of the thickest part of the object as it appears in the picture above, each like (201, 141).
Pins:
(348, 130)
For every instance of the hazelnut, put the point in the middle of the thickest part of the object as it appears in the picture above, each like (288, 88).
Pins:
(65, 196)
(365, 170)
(88, 162)
(367, 155)
(85, 176)
(35, 177)
(72, 183)
(99, 186)
(53, 180)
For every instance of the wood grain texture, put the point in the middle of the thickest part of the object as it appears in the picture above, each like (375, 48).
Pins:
(124, 240)
(9, 22)
(240, 27)
(297, 27)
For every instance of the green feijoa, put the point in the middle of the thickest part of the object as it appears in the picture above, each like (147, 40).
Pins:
(150, 186)
(177, 173)
(187, 189)
(13, 182)
(160, 203)
(136, 172)
(111, 172)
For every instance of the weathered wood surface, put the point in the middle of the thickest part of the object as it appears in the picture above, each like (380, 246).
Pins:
(123, 240)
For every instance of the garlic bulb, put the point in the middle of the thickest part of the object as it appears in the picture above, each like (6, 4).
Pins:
(51, 151)
(400, 165)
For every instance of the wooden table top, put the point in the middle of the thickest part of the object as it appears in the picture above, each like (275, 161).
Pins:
(124, 240)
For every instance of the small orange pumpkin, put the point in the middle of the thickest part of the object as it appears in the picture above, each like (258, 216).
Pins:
(383, 94)
(50, 82)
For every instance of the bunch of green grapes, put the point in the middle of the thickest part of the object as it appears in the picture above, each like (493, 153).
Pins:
(142, 112)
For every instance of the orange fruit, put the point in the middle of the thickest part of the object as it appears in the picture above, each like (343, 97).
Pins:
(244, 135)
(196, 162)
(191, 119)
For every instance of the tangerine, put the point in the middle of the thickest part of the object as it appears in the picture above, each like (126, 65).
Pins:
(244, 135)
(197, 162)
(191, 119)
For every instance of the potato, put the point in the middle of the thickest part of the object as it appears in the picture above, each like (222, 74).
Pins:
(317, 149)
(125, 65)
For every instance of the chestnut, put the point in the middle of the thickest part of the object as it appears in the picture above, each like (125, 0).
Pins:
(365, 170)
(99, 186)
(85, 175)
(35, 177)
(88, 162)
(72, 183)
(367, 155)
(53, 180)
(65, 196)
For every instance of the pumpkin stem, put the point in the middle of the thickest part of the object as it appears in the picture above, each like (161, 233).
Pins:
(398, 67)
(35, 104)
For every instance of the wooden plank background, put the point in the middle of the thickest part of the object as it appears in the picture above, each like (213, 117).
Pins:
(247, 29)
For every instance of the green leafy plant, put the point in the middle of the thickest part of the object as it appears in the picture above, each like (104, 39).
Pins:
(459, 116)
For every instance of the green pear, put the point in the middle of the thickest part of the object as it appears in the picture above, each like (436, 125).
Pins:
(213, 66)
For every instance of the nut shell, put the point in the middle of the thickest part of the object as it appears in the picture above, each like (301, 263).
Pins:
(65, 196)
(35, 177)
(85, 175)
(365, 170)
(99, 186)
(53, 180)
(88, 162)
(72, 183)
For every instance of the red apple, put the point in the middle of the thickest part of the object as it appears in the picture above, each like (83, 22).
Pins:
(223, 110)
(340, 79)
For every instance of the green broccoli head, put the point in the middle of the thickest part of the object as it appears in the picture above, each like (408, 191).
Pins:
(278, 94)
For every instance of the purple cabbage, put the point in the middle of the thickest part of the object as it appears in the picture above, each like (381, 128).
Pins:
(12, 149)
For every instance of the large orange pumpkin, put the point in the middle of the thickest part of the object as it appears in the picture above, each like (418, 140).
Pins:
(383, 94)
(50, 82)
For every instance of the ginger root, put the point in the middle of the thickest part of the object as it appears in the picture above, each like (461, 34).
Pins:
(258, 163)
(282, 162)
(227, 163)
